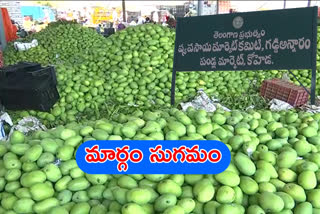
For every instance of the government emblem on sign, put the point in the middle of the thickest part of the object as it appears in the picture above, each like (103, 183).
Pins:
(237, 22)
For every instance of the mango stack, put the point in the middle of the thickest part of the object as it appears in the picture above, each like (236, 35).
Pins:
(132, 67)
(274, 168)
(59, 42)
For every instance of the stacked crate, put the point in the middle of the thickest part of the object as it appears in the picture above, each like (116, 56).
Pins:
(224, 6)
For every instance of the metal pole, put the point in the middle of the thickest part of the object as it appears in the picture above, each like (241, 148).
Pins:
(284, 4)
(174, 71)
(309, 3)
(314, 56)
(2, 33)
(173, 86)
(300, 83)
(200, 5)
(124, 10)
(217, 6)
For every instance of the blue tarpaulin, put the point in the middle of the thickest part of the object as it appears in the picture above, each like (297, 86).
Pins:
(37, 13)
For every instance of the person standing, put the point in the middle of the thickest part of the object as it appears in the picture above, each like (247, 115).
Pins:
(171, 23)
(83, 13)
(75, 16)
(147, 20)
(115, 19)
(114, 15)
(166, 17)
(141, 20)
(69, 15)
(46, 18)
(121, 17)
(88, 16)
(155, 17)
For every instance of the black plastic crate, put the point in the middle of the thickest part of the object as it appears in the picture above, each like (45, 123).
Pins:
(12, 76)
(33, 89)
(21, 66)
(40, 96)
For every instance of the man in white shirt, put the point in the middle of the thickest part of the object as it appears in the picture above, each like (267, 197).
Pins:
(141, 20)
(121, 17)
(155, 17)
(114, 15)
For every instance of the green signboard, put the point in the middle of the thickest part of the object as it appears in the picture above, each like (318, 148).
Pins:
(268, 40)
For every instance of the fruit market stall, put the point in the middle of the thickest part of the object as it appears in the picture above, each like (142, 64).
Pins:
(38, 13)
(14, 9)
(118, 88)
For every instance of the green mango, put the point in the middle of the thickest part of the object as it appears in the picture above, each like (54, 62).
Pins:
(31, 178)
(41, 191)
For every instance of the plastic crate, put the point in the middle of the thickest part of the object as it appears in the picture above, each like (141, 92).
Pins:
(25, 70)
(34, 90)
(42, 100)
(285, 91)
(21, 66)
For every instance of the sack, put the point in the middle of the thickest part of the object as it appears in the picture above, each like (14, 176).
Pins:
(25, 46)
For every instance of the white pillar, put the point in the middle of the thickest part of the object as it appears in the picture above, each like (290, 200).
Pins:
(200, 7)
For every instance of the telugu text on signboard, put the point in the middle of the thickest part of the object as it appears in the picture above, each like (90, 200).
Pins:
(251, 52)
(268, 40)
(281, 39)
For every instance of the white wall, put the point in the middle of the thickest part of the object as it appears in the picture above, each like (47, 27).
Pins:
(245, 6)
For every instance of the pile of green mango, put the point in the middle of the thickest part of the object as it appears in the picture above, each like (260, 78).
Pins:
(60, 42)
(274, 167)
(131, 67)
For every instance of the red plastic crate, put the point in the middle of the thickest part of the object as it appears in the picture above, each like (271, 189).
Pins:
(285, 91)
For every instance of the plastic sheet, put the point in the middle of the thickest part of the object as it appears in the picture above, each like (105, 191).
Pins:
(4, 118)
(286, 77)
(203, 101)
(250, 107)
(279, 105)
(57, 162)
(27, 125)
(25, 46)
(311, 108)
